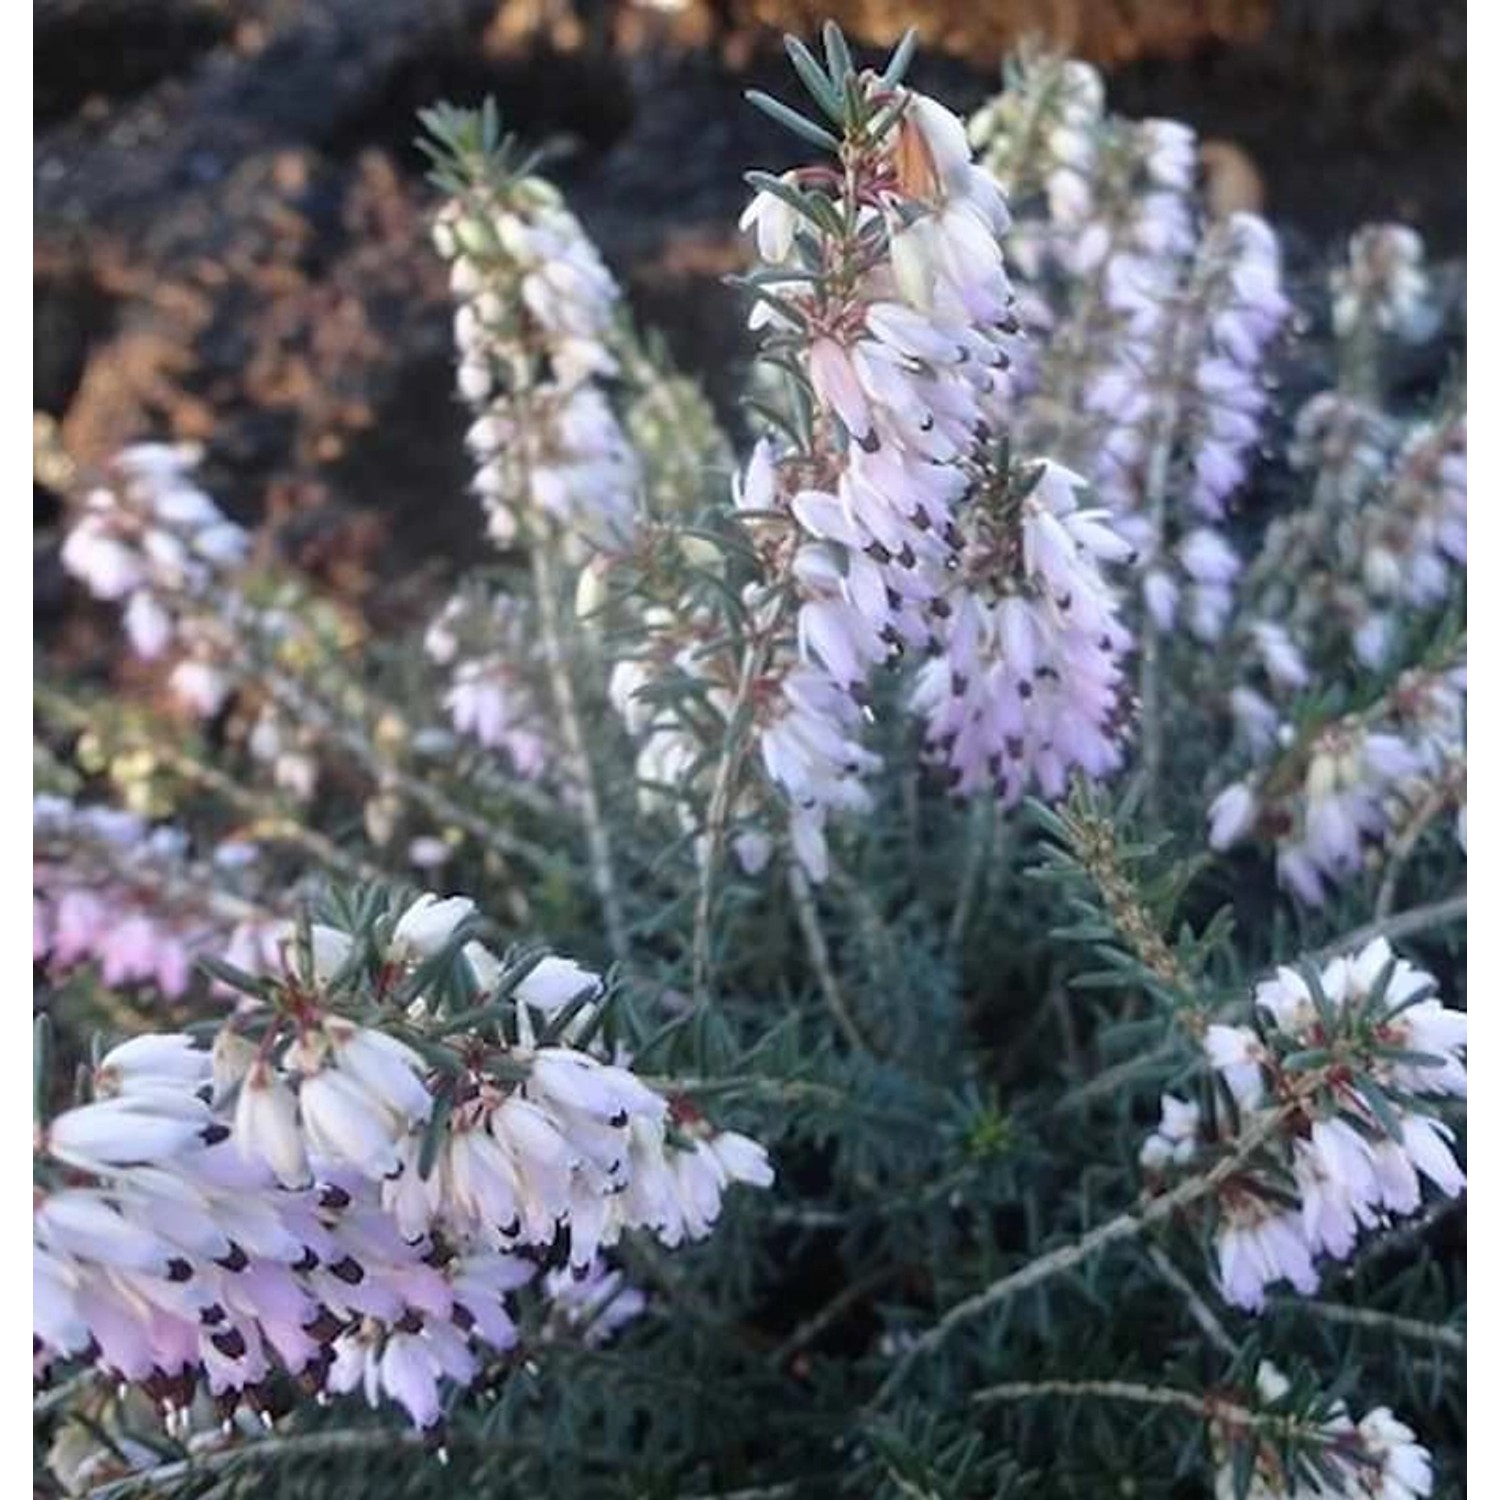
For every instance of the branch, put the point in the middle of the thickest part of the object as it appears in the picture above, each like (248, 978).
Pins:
(1203, 1314)
(601, 865)
(1404, 924)
(1207, 1408)
(1065, 1257)
(1439, 799)
(1386, 1322)
(719, 802)
(980, 849)
(817, 949)
(785, 1490)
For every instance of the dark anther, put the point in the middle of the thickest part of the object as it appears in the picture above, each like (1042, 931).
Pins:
(230, 1343)
(348, 1270)
(234, 1258)
(324, 1328)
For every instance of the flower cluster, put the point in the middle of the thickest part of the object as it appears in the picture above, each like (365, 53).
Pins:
(322, 1194)
(536, 310)
(1338, 798)
(112, 889)
(157, 545)
(1412, 547)
(900, 330)
(1041, 136)
(885, 288)
(1344, 579)
(1340, 1459)
(153, 542)
(1327, 1094)
(1384, 286)
(1149, 329)
(1385, 537)
(1383, 541)
(1028, 686)
(486, 648)
(593, 1307)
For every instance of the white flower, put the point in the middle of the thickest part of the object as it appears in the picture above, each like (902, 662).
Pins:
(576, 1082)
(266, 1129)
(1258, 1245)
(774, 222)
(484, 966)
(110, 568)
(1338, 1187)
(554, 982)
(1231, 815)
(143, 1127)
(200, 686)
(1426, 1144)
(79, 1221)
(344, 1124)
(1405, 1467)
(148, 625)
(1175, 1140)
(330, 949)
(838, 387)
(596, 1305)
(152, 1059)
(1287, 999)
(945, 137)
(427, 924)
(482, 1181)
(742, 1159)
(387, 1070)
(231, 1057)
(1236, 1052)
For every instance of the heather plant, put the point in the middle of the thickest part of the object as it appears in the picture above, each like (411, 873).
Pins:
(916, 950)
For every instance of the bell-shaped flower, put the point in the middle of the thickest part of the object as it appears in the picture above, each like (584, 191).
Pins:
(426, 926)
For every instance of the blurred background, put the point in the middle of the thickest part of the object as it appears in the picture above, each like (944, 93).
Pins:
(231, 217)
